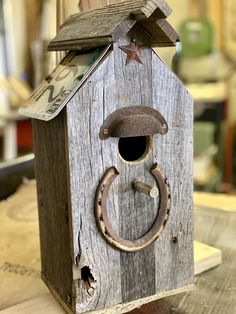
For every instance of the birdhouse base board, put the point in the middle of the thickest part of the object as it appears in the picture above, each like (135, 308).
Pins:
(47, 303)
(120, 308)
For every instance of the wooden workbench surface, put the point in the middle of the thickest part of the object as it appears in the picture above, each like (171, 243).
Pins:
(215, 224)
(20, 260)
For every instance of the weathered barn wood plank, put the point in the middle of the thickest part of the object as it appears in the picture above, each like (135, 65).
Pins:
(137, 212)
(162, 32)
(48, 304)
(175, 154)
(52, 191)
(148, 8)
(88, 162)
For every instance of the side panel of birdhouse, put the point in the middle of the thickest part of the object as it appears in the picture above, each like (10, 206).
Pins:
(54, 209)
(105, 276)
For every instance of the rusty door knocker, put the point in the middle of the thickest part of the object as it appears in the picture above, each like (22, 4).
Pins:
(104, 224)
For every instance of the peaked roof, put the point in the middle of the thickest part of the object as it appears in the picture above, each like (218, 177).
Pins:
(107, 24)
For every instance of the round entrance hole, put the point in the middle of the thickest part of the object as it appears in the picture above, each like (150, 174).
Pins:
(134, 148)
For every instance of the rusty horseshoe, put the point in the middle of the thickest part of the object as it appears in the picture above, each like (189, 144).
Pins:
(104, 224)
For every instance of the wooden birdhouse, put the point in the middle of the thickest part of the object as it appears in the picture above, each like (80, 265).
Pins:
(113, 144)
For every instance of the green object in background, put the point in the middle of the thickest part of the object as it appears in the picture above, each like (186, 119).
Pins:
(197, 38)
(203, 137)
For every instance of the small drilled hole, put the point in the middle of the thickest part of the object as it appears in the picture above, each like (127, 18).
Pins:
(175, 240)
(100, 203)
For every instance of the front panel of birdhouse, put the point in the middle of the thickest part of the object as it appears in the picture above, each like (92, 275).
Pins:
(129, 131)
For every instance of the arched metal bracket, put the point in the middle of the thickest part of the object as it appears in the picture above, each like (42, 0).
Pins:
(133, 121)
(104, 224)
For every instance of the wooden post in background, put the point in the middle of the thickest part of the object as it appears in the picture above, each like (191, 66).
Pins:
(61, 15)
(211, 9)
(215, 14)
(85, 5)
(33, 14)
(198, 8)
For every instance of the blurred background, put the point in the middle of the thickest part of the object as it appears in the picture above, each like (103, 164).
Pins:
(205, 61)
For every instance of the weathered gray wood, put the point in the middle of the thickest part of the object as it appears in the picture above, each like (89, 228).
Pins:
(175, 153)
(47, 304)
(148, 7)
(163, 34)
(54, 208)
(147, 10)
(107, 24)
(168, 264)
(215, 289)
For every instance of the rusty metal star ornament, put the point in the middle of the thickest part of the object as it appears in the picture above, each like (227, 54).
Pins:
(133, 52)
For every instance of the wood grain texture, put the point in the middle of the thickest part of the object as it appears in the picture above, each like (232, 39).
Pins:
(20, 278)
(148, 9)
(19, 248)
(215, 201)
(175, 154)
(48, 304)
(205, 257)
(109, 23)
(120, 277)
(215, 289)
(162, 32)
(52, 191)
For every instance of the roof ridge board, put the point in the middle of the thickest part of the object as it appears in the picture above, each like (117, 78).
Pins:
(168, 29)
(147, 7)
(109, 23)
(163, 34)
(111, 9)
(152, 6)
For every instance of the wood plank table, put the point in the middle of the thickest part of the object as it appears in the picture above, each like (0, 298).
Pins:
(215, 224)
(21, 290)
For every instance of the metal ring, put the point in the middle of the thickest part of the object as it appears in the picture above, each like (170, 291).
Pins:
(103, 221)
